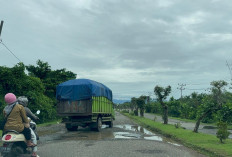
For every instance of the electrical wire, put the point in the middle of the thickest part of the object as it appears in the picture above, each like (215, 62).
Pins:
(195, 89)
(9, 50)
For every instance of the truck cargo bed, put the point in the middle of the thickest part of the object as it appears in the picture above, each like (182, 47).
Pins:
(72, 108)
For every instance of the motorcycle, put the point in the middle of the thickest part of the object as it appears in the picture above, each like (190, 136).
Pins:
(14, 143)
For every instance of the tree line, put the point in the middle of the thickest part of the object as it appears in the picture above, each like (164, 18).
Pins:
(214, 107)
(36, 82)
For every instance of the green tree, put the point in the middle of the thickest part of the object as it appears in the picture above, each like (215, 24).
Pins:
(12, 79)
(134, 106)
(141, 104)
(50, 78)
(41, 71)
(213, 102)
(39, 86)
(161, 94)
(16, 81)
(225, 113)
(174, 107)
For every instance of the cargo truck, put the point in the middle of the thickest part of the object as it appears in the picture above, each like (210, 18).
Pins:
(84, 102)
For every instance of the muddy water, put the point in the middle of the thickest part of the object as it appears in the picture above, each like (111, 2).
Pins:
(138, 132)
(123, 129)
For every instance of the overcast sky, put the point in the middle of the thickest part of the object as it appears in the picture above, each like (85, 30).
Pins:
(129, 45)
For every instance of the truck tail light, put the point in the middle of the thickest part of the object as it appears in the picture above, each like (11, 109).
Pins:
(7, 137)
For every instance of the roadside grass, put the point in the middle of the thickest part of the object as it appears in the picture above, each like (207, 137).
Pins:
(203, 143)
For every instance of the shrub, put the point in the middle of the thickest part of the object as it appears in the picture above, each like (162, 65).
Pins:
(222, 132)
(178, 125)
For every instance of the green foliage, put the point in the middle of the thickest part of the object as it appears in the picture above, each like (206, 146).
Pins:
(153, 107)
(50, 78)
(141, 105)
(140, 102)
(155, 118)
(222, 132)
(39, 86)
(225, 113)
(177, 125)
(136, 112)
(161, 94)
(132, 114)
(209, 108)
(41, 70)
(125, 111)
(12, 79)
(174, 107)
(133, 104)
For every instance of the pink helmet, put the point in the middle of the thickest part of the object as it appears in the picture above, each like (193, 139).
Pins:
(10, 98)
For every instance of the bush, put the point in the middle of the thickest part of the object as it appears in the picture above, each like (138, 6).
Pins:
(222, 132)
(132, 113)
(178, 125)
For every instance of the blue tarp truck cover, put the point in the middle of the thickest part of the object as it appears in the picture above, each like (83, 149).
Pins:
(80, 89)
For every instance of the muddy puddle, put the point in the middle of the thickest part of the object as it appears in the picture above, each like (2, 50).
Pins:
(125, 131)
(138, 132)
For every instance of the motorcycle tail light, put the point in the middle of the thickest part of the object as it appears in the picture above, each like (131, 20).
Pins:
(7, 137)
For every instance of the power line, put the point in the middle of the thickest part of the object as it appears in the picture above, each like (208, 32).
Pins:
(4, 44)
(195, 84)
(9, 50)
(194, 89)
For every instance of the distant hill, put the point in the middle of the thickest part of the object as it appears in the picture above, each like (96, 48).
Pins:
(117, 101)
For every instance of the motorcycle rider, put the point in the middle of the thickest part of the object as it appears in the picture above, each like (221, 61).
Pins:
(17, 119)
(22, 100)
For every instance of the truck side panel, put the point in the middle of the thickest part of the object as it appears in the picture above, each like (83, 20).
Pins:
(101, 105)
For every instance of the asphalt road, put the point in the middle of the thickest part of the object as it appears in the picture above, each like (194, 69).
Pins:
(125, 139)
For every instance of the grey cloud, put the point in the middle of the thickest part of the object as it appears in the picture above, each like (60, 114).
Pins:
(159, 42)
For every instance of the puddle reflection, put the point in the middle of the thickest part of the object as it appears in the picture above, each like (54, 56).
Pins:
(154, 138)
(175, 144)
(125, 135)
(135, 128)
(140, 133)
(118, 132)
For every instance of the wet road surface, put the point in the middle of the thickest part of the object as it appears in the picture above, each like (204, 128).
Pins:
(126, 139)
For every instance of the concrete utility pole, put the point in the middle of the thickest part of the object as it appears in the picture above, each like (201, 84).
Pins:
(230, 69)
(181, 88)
(1, 28)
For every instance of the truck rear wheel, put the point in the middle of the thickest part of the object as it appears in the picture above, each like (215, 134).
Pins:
(111, 123)
(99, 124)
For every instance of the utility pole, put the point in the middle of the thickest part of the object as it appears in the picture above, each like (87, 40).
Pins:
(1, 28)
(181, 88)
(149, 97)
(230, 69)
